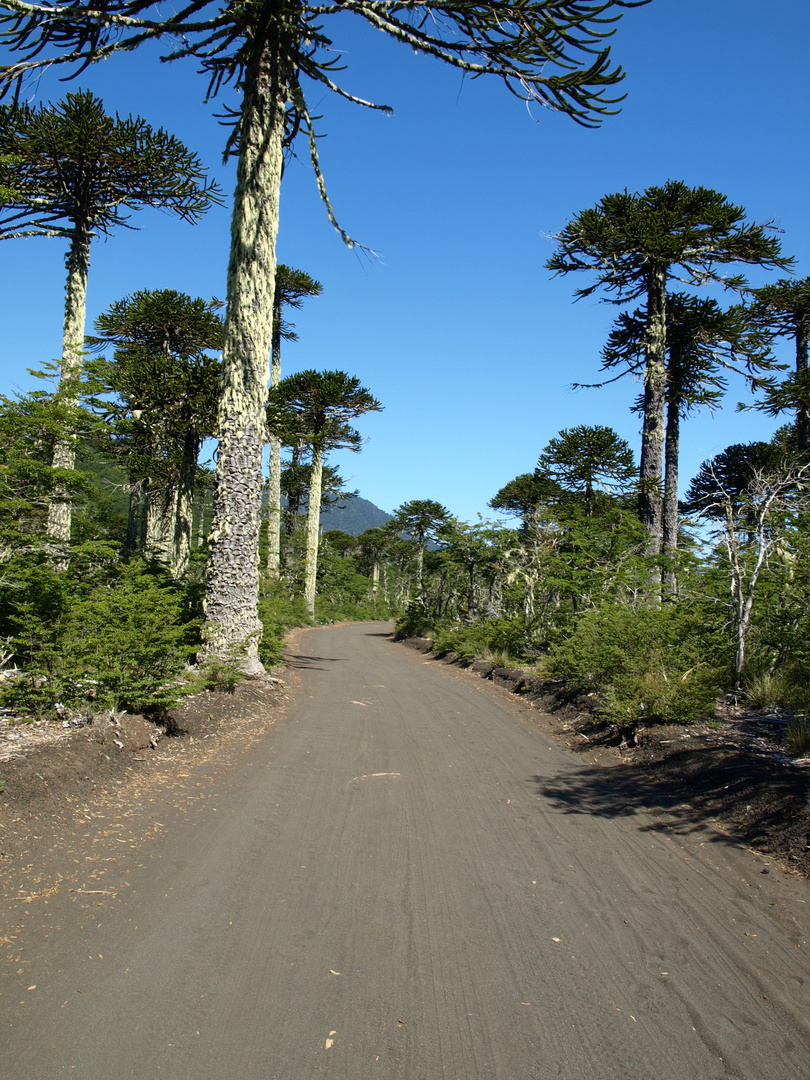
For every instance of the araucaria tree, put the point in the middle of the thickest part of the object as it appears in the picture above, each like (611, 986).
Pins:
(420, 519)
(586, 459)
(634, 243)
(550, 51)
(75, 172)
(292, 288)
(316, 407)
(160, 389)
(783, 309)
(703, 342)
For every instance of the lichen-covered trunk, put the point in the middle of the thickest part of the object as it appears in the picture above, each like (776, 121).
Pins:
(375, 581)
(313, 528)
(232, 626)
(200, 491)
(160, 523)
(136, 520)
(420, 573)
(802, 415)
(64, 452)
(652, 431)
(184, 506)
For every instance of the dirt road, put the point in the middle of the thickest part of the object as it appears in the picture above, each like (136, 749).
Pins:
(394, 884)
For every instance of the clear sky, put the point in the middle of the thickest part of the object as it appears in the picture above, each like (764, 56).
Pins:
(456, 326)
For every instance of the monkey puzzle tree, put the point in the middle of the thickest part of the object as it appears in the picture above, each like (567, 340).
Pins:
(702, 343)
(160, 389)
(588, 458)
(421, 520)
(731, 472)
(523, 497)
(635, 243)
(291, 289)
(75, 172)
(783, 309)
(317, 407)
(374, 543)
(550, 51)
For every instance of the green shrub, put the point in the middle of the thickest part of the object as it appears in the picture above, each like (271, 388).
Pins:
(467, 640)
(415, 623)
(798, 736)
(658, 664)
(96, 635)
(278, 614)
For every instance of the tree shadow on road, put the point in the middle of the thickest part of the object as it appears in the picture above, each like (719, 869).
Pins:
(311, 663)
(755, 797)
(611, 793)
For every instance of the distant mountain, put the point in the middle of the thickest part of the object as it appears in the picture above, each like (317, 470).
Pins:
(356, 516)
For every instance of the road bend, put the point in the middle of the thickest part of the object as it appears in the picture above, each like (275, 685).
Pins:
(405, 880)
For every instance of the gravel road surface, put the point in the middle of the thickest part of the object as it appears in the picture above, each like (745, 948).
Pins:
(393, 884)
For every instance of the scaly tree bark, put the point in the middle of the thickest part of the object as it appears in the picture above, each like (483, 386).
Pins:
(635, 243)
(551, 51)
(75, 171)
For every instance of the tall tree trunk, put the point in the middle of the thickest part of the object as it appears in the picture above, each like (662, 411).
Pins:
(652, 432)
(161, 508)
(274, 510)
(232, 625)
(136, 520)
(184, 504)
(274, 479)
(375, 581)
(420, 573)
(671, 451)
(200, 491)
(802, 418)
(313, 528)
(64, 453)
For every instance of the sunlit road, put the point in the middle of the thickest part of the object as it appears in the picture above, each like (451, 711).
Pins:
(392, 884)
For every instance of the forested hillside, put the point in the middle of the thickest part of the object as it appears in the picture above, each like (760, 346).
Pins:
(354, 516)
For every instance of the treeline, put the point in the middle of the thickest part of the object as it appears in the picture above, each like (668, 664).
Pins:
(123, 558)
(610, 585)
(106, 506)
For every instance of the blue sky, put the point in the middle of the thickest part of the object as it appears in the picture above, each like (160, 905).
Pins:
(456, 326)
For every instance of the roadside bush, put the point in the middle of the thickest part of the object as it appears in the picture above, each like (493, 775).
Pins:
(278, 614)
(94, 636)
(501, 638)
(798, 736)
(657, 664)
(467, 640)
(415, 623)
